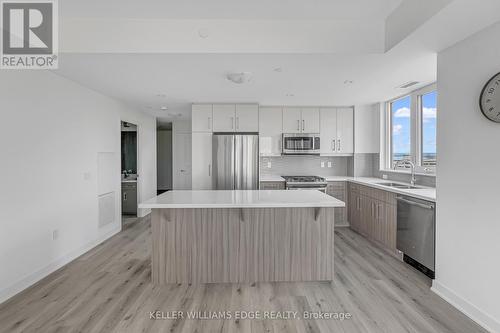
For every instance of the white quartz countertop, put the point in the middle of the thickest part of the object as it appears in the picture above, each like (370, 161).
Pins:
(271, 178)
(242, 199)
(422, 192)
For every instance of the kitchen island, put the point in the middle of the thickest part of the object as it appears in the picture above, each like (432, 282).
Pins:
(242, 236)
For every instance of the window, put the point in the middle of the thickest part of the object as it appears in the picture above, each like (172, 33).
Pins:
(410, 132)
(401, 132)
(428, 113)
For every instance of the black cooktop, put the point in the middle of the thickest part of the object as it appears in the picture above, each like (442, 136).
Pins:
(304, 179)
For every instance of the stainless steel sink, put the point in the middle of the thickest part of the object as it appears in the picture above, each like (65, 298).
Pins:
(398, 185)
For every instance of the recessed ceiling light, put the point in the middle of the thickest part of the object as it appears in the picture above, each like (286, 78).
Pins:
(348, 82)
(163, 108)
(278, 69)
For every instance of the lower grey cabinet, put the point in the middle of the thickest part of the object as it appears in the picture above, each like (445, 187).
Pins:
(129, 198)
(338, 190)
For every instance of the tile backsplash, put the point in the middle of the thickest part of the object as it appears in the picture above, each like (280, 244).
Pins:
(303, 165)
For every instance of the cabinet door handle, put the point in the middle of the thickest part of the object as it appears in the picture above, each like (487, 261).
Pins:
(232, 122)
(303, 124)
(338, 144)
(209, 170)
(125, 196)
(209, 118)
(333, 145)
(237, 122)
(298, 125)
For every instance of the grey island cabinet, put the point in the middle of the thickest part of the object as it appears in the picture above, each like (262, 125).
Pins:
(242, 236)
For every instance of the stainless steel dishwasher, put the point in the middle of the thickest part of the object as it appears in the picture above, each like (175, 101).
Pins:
(416, 230)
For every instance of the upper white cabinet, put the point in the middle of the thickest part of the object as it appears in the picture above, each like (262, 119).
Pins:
(201, 172)
(310, 120)
(224, 117)
(270, 130)
(301, 120)
(345, 130)
(247, 118)
(328, 131)
(235, 118)
(201, 117)
(292, 120)
(337, 131)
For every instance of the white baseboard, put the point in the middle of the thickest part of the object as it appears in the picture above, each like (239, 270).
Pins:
(470, 310)
(33, 278)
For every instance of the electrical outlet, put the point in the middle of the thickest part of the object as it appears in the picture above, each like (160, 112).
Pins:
(269, 165)
(55, 234)
(329, 164)
(322, 164)
(384, 176)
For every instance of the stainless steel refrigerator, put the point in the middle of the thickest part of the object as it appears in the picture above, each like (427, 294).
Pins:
(235, 159)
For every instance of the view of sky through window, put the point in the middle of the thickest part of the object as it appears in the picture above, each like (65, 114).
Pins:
(429, 111)
(401, 129)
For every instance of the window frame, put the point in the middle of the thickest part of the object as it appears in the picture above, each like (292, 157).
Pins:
(416, 133)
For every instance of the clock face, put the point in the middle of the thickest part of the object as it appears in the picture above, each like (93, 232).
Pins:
(490, 99)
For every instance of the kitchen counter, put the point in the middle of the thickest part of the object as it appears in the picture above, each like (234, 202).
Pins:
(243, 199)
(422, 192)
(271, 178)
(242, 236)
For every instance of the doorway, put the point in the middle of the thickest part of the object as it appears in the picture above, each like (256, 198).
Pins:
(129, 172)
(164, 156)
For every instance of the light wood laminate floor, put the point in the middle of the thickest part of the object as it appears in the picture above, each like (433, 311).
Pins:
(108, 290)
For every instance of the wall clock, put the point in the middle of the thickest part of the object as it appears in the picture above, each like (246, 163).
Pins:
(490, 99)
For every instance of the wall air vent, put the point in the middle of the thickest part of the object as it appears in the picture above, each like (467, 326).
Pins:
(408, 84)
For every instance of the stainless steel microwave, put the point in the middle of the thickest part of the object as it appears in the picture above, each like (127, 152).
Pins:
(301, 144)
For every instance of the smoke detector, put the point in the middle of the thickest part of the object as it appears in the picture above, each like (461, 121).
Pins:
(240, 77)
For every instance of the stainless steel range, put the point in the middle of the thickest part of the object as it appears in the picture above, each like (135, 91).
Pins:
(305, 183)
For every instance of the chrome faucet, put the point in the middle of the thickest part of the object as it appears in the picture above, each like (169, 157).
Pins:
(413, 180)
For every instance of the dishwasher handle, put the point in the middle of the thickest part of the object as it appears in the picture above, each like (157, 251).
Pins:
(414, 203)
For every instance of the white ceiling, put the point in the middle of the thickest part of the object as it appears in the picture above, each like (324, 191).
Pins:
(176, 67)
(229, 9)
(314, 79)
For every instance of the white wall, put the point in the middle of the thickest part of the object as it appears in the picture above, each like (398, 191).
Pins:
(468, 182)
(366, 129)
(164, 157)
(52, 131)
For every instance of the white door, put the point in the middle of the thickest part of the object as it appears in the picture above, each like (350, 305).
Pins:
(270, 131)
(247, 118)
(345, 131)
(310, 120)
(292, 120)
(201, 115)
(201, 161)
(328, 131)
(224, 118)
(182, 161)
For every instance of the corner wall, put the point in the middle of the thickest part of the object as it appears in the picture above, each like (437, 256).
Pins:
(53, 130)
(468, 182)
